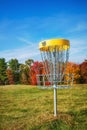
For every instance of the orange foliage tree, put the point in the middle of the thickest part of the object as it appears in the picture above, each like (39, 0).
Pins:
(74, 69)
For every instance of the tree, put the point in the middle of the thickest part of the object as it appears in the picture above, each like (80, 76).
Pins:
(28, 64)
(3, 67)
(74, 69)
(10, 76)
(83, 72)
(36, 68)
(24, 70)
(14, 66)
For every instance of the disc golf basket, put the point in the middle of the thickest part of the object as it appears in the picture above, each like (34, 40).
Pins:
(55, 54)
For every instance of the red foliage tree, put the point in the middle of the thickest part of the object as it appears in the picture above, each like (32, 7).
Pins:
(36, 68)
(83, 72)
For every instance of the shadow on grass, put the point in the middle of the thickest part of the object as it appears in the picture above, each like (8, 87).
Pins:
(66, 121)
(61, 122)
(52, 125)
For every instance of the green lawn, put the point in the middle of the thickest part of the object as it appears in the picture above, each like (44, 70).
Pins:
(24, 107)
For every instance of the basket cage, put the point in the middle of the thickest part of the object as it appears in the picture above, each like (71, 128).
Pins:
(47, 81)
(55, 59)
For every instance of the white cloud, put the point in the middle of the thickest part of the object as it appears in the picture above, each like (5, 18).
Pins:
(25, 41)
(78, 50)
(21, 54)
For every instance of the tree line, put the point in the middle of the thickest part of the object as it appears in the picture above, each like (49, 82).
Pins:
(13, 72)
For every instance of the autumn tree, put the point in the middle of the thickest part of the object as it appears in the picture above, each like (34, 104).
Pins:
(10, 76)
(24, 70)
(74, 69)
(36, 68)
(83, 71)
(28, 64)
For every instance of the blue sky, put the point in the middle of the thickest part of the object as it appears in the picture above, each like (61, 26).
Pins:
(24, 23)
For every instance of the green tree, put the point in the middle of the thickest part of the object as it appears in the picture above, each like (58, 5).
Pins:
(29, 62)
(3, 67)
(14, 66)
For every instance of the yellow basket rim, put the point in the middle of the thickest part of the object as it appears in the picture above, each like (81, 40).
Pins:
(61, 44)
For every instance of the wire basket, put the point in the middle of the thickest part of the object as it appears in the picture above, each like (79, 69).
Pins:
(46, 81)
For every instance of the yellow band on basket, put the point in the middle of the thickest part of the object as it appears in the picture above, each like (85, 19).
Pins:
(59, 44)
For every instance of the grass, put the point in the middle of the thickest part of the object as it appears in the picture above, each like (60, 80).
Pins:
(24, 107)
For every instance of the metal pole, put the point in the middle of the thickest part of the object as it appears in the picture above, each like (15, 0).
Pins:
(55, 89)
(55, 101)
